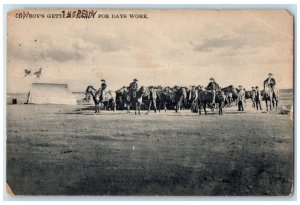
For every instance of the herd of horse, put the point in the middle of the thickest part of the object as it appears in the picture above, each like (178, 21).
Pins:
(174, 98)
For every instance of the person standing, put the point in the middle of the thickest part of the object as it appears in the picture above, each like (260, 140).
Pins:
(241, 98)
(253, 96)
(257, 98)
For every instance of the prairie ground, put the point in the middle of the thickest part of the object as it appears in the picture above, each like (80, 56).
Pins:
(56, 150)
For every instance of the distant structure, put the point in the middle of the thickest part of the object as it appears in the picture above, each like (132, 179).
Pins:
(51, 93)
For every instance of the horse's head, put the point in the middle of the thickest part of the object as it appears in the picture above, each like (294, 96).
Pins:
(143, 90)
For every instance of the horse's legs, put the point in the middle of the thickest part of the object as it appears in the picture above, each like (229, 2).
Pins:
(97, 108)
(154, 104)
(139, 107)
(200, 109)
(159, 105)
(220, 108)
(165, 106)
(128, 107)
(267, 105)
(149, 106)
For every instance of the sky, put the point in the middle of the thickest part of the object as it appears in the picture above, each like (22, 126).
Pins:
(170, 47)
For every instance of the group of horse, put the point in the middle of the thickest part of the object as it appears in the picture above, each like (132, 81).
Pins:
(174, 98)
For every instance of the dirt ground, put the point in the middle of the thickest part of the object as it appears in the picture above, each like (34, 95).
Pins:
(53, 150)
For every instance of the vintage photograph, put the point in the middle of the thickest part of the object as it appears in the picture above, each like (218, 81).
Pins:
(150, 102)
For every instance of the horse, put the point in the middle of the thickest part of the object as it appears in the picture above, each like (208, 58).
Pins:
(150, 95)
(193, 100)
(180, 95)
(270, 96)
(91, 92)
(109, 100)
(206, 98)
(250, 95)
(121, 98)
(135, 100)
(165, 98)
(231, 95)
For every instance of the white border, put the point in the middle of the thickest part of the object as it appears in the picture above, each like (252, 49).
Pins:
(214, 4)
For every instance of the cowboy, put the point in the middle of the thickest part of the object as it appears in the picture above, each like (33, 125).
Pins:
(133, 87)
(194, 94)
(257, 98)
(213, 86)
(270, 82)
(253, 96)
(152, 98)
(241, 98)
(103, 87)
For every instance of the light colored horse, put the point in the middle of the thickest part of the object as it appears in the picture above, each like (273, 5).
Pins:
(270, 97)
(135, 100)
(109, 100)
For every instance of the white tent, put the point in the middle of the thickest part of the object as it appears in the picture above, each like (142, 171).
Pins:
(51, 93)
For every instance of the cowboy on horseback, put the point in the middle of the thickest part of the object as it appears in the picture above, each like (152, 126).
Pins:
(133, 87)
(102, 88)
(270, 83)
(213, 86)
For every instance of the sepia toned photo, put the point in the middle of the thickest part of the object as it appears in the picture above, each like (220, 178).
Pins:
(150, 102)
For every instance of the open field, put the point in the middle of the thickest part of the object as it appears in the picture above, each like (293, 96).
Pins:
(53, 150)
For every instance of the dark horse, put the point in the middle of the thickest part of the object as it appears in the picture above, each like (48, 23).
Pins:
(135, 100)
(206, 98)
(270, 96)
(231, 95)
(121, 96)
(180, 97)
(165, 98)
(96, 96)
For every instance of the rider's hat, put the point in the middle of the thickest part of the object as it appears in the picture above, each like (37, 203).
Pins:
(256, 86)
(135, 80)
(252, 87)
(102, 80)
(270, 74)
(211, 79)
(240, 86)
